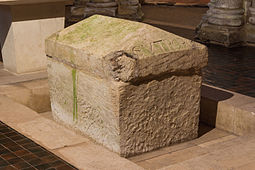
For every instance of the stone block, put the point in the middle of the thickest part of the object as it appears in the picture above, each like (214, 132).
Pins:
(102, 5)
(223, 35)
(129, 86)
(89, 11)
(24, 26)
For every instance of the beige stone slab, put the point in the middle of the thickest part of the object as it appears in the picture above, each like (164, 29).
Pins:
(33, 94)
(178, 147)
(148, 155)
(176, 167)
(217, 141)
(250, 107)
(227, 110)
(211, 135)
(41, 83)
(195, 164)
(24, 28)
(47, 115)
(178, 156)
(225, 96)
(3, 72)
(11, 78)
(90, 156)
(211, 147)
(49, 133)
(13, 113)
(146, 165)
(234, 156)
(249, 166)
(238, 120)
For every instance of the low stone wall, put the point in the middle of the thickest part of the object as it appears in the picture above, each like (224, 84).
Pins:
(129, 86)
(227, 110)
(128, 9)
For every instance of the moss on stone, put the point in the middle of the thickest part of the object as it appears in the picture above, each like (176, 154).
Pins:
(75, 105)
(96, 27)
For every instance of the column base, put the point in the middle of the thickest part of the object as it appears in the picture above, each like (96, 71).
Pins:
(250, 34)
(222, 35)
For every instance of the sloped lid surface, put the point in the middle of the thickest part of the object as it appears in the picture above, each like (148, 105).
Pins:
(135, 48)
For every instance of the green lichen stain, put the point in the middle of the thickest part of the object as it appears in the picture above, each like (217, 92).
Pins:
(75, 105)
(95, 28)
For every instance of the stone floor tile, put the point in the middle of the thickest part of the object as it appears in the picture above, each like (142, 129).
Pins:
(178, 156)
(91, 156)
(211, 135)
(148, 155)
(52, 135)
(217, 141)
(178, 147)
(17, 113)
(249, 166)
(10, 78)
(150, 165)
(146, 165)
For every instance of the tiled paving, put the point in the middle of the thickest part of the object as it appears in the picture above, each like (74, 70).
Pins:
(19, 152)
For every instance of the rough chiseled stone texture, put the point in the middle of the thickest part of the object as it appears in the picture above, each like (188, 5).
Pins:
(138, 87)
(159, 113)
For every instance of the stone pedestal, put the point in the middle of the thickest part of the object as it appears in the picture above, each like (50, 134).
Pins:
(103, 7)
(222, 23)
(252, 13)
(130, 9)
(129, 86)
(250, 27)
(24, 25)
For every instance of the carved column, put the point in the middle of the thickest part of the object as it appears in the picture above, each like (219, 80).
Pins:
(250, 26)
(252, 13)
(223, 23)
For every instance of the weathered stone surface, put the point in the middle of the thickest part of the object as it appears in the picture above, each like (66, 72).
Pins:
(223, 35)
(77, 11)
(129, 9)
(102, 11)
(101, 1)
(223, 23)
(252, 13)
(227, 4)
(129, 86)
(102, 5)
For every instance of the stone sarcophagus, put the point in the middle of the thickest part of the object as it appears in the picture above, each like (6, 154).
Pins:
(129, 86)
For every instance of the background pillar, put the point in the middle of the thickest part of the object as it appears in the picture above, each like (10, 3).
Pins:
(223, 23)
(250, 26)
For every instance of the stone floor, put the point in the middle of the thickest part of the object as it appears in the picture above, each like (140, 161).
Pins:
(214, 150)
(19, 152)
(7, 77)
